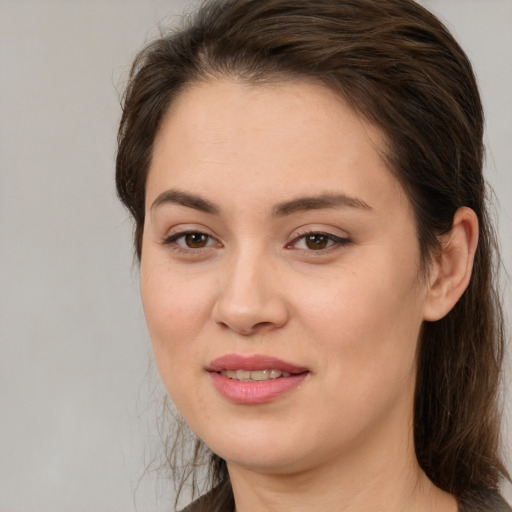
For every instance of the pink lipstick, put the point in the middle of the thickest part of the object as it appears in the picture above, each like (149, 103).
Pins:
(255, 379)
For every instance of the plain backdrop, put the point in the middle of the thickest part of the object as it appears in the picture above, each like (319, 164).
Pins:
(79, 397)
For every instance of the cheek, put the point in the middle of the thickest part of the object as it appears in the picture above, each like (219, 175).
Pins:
(173, 301)
(177, 310)
(365, 340)
(365, 322)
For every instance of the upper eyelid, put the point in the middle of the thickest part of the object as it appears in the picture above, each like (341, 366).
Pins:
(169, 238)
(329, 234)
(319, 232)
(335, 238)
(184, 229)
(173, 237)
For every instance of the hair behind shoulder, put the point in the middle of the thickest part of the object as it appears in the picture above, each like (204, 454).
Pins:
(398, 66)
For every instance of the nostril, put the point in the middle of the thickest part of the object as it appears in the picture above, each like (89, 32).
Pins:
(262, 325)
(249, 313)
(250, 330)
(258, 328)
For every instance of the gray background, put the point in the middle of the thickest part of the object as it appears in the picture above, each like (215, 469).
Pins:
(79, 396)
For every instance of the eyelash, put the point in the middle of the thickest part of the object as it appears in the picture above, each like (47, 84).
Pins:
(173, 239)
(334, 242)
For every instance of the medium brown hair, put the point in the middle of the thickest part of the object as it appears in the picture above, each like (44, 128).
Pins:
(399, 67)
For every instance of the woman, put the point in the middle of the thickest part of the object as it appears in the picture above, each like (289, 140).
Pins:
(315, 254)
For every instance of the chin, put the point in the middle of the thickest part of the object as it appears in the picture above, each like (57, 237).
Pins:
(272, 447)
(258, 446)
(267, 461)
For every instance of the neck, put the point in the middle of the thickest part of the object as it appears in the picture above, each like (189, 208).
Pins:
(380, 473)
(306, 492)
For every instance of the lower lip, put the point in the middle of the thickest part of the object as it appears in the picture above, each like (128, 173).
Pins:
(255, 392)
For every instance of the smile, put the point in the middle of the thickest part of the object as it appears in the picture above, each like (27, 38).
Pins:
(256, 376)
(255, 379)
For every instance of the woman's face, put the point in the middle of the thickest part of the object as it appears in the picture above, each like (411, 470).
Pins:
(280, 276)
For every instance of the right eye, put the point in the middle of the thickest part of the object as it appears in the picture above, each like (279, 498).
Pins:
(190, 240)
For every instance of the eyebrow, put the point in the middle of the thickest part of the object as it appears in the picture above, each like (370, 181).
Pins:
(319, 202)
(300, 204)
(185, 199)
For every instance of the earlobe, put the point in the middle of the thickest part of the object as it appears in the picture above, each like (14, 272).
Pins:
(451, 270)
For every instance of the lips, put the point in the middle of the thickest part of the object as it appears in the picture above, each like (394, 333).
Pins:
(254, 379)
(253, 363)
(254, 376)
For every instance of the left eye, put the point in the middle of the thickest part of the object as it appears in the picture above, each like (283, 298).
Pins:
(317, 241)
(191, 240)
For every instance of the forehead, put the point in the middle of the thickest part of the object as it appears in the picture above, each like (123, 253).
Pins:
(270, 141)
(224, 110)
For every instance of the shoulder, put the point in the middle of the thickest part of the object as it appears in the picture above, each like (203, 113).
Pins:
(196, 506)
(473, 501)
(200, 505)
(483, 500)
(204, 504)
(219, 499)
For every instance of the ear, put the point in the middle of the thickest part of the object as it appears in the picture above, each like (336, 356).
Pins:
(450, 272)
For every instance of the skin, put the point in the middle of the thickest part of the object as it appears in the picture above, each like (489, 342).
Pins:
(350, 312)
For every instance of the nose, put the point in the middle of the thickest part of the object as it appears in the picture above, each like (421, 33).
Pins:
(249, 299)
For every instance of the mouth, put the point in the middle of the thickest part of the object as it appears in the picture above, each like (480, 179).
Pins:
(254, 376)
(254, 379)
(256, 367)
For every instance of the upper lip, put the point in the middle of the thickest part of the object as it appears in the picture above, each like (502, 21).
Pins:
(253, 363)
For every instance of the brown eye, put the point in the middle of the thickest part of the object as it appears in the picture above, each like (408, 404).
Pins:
(196, 240)
(191, 240)
(316, 241)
